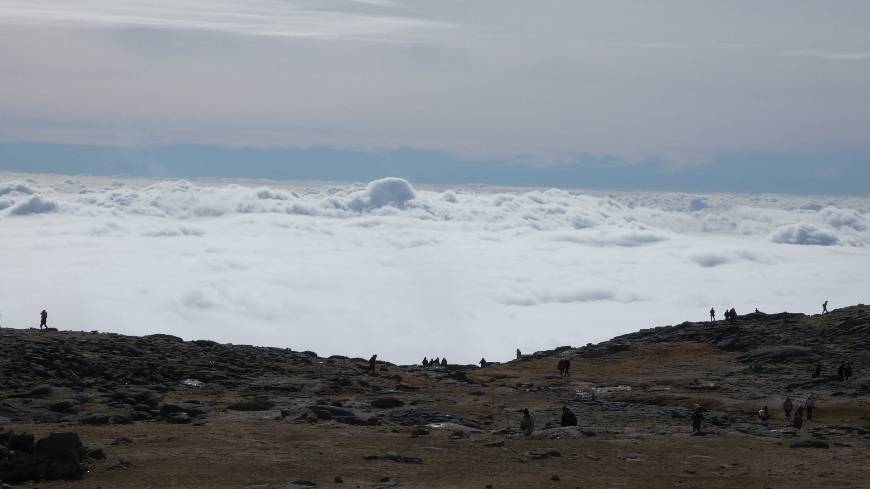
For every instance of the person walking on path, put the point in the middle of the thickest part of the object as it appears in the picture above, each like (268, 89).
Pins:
(825, 307)
(43, 319)
(697, 417)
(527, 425)
(811, 406)
(787, 406)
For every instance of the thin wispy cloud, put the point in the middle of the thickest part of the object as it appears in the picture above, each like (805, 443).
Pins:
(328, 20)
(831, 54)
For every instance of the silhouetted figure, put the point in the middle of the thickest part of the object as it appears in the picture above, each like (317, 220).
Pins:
(787, 406)
(519, 354)
(435, 363)
(798, 421)
(757, 311)
(425, 362)
(811, 406)
(564, 366)
(568, 418)
(712, 314)
(483, 363)
(727, 315)
(841, 372)
(817, 372)
(763, 415)
(847, 370)
(825, 307)
(733, 315)
(443, 362)
(372, 362)
(527, 425)
(697, 418)
(43, 319)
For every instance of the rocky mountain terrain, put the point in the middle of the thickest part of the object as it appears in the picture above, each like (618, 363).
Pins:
(162, 412)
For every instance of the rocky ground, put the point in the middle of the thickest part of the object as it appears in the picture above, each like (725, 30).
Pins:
(173, 414)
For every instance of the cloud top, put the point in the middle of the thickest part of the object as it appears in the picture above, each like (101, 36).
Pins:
(405, 270)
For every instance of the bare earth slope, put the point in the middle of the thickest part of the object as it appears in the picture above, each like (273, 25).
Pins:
(198, 414)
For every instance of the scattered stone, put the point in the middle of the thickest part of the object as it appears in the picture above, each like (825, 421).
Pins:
(395, 457)
(810, 444)
(387, 403)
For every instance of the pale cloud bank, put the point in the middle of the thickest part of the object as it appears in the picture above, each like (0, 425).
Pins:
(326, 19)
(407, 271)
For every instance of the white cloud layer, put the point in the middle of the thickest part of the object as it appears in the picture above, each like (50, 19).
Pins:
(405, 272)
(326, 19)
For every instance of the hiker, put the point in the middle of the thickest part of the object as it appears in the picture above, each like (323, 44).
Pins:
(483, 363)
(697, 417)
(372, 361)
(841, 372)
(444, 362)
(425, 362)
(727, 314)
(527, 425)
(811, 406)
(712, 314)
(519, 354)
(568, 418)
(787, 406)
(798, 421)
(733, 315)
(817, 372)
(567, 366)
(757, 311)
(763, 415)
(847, 370)
(825, 307)
(43, 319)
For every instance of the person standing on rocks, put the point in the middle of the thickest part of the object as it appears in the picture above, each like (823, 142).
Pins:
(712, 314)
(568, 418)
(787, 406)
(697, 418)
(811, 406)
(483, 363)
(764, 415)
(519, 354)
(825, 307)
(527, 425)
(372, 362)
(798, 421)
(733, 315)
(43, 319)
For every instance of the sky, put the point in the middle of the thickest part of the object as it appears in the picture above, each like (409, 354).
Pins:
(738, 96)
(408, 271)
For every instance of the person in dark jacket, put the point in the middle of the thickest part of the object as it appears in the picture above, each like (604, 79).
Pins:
(568, 418)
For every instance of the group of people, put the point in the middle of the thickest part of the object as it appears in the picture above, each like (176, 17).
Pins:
(805, 409)
(440, 362)
(730, 314)
(844, 371)
(527, 423)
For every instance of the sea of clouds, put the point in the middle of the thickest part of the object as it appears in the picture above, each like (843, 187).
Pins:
(406, 271)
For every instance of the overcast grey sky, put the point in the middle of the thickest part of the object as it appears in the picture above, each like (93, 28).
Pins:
(544, 81)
